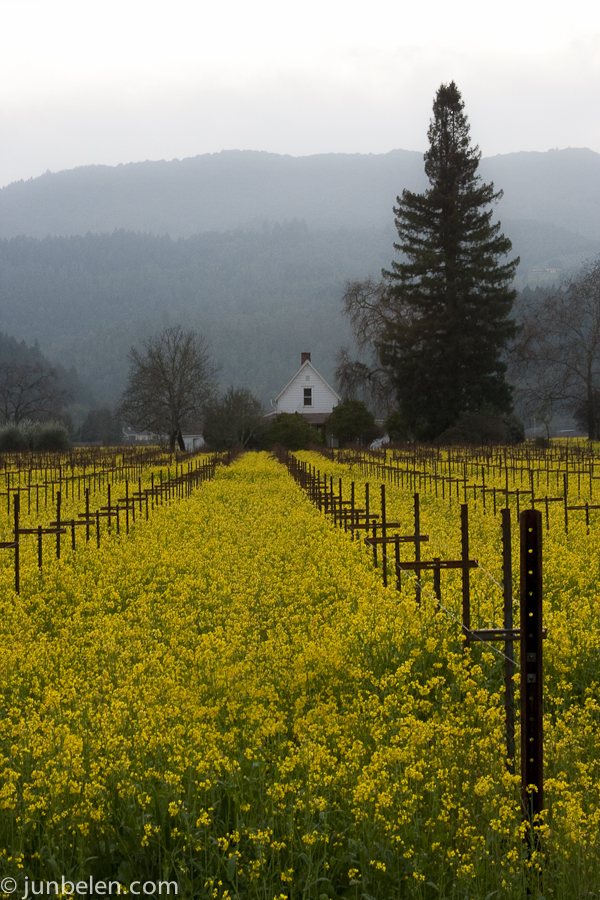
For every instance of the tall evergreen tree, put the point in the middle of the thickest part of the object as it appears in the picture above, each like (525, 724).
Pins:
(452, 294)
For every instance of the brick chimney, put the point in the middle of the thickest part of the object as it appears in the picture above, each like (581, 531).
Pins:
(304, 357)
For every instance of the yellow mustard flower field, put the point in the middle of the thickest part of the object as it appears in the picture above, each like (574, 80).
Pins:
(227, 697)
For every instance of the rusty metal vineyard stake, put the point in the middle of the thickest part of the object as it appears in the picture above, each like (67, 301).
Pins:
(509, 665)
(532, 748)
(417, 513)
(466, 584)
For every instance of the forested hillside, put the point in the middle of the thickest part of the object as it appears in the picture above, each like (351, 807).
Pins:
(261, 297)
(18, 355)
(232, 189)
(262, 292)
(214, 192)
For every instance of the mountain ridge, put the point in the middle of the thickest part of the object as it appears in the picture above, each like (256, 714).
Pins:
(238, 188)
(266, 279)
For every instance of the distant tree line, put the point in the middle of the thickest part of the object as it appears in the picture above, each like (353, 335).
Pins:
(33, 398)
(255, 293)
(556, 357)
(47, 435)
(444, 355)
(171, 391)
(88, 299)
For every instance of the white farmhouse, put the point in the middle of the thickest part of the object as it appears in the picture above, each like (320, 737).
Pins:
(308, 394)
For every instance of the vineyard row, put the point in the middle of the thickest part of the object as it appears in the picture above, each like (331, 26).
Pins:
(355, 519)
(117, 510)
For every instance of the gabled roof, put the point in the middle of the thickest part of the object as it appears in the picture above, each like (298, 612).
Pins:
(306, 365)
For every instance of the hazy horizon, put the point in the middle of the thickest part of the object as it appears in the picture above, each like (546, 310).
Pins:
(256, 150)
(118, 82)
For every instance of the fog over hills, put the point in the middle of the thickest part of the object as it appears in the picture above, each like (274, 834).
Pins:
(260, 296)
(253, 249)
(233, 189)
(213, 192)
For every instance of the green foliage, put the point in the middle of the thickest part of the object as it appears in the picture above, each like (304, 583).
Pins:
(291, 431)
(51, 436)
(515, 429)
(101, 426)
(28, 435)
(352, 421)
(454, 296)
(12, 439)
(485, 426)
(396, 427)
(235, 419)
(581, 412)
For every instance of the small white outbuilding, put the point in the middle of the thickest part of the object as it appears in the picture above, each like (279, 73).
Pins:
(306, 393)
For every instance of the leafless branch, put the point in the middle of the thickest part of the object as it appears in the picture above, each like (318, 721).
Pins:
(557, 354)
(29, 391)
(168, 383)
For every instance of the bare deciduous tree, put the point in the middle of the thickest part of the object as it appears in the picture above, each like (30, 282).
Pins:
(168, 383)
(29, 391)
(558, 350)
(373, 313)
(373, 310)
(234, 420)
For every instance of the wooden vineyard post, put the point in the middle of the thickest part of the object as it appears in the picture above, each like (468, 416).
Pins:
(368, 521)
(17, 562)
(509, 664)
(417, 514)
(437, 582)
(532, 749)
(384, 535)
(58, 524)
(466, 586)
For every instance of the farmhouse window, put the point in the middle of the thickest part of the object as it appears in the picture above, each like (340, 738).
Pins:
(308, 396)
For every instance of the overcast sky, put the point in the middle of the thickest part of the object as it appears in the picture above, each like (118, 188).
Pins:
(83, 81)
